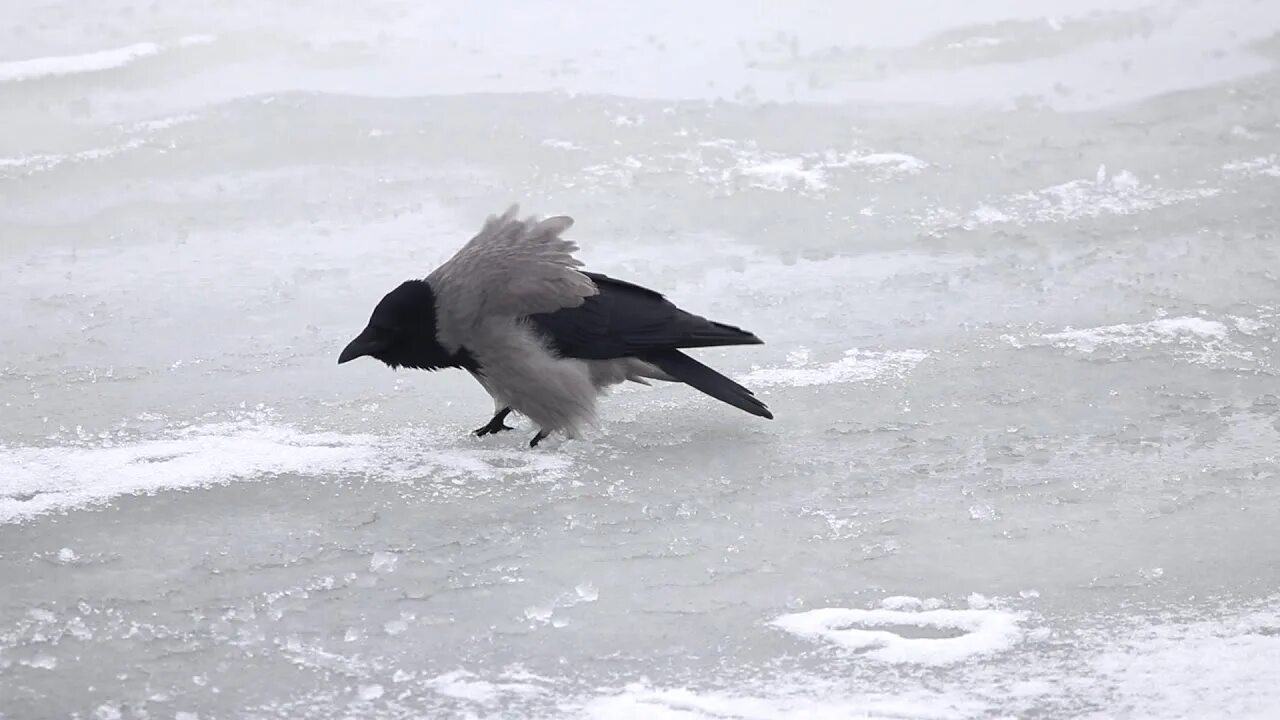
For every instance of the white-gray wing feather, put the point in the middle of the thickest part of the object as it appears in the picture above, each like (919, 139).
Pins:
(511, 269)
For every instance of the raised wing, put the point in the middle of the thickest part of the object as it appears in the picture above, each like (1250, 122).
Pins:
(512, 268)
(626, 320)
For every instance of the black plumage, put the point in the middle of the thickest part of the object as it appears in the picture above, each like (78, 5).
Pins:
(627, 320)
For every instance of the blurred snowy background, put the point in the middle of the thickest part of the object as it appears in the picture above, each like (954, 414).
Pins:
(1017, 266)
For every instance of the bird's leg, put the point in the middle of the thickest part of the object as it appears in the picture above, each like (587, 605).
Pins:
(496, 425)
(542, 434)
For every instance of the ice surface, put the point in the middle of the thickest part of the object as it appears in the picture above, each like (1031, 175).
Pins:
(1014, 264)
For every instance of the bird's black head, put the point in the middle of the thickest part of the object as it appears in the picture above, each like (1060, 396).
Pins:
(402, 332)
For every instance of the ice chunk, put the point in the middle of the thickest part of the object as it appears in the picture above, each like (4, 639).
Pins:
(587, 592)
(383, 562)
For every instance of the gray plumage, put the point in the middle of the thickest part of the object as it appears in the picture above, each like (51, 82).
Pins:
(542, 336)
(513, 269)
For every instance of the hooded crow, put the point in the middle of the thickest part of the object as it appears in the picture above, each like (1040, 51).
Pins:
(543, 337)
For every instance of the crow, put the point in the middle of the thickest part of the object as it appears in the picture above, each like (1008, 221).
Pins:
(543, 337)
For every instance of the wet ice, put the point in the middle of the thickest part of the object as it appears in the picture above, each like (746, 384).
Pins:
(1015, 271)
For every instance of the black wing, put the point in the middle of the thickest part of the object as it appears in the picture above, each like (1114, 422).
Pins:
(626, 320)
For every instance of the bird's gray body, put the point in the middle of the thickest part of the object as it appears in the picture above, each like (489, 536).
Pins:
(485, 293)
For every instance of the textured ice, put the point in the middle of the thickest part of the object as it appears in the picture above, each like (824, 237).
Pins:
(1014, 264)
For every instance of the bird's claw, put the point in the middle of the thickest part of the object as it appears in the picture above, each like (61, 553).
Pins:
(491, 429)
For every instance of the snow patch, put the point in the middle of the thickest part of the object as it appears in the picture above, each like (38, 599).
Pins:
(464, 685)
(560, 144)
(809, 700)
(896, 162)
(1165, 330)
(728, 165)
(42, 662)
(779, 174)
(1193, 339)
(1224, 667)
(20, 70)
(1123, 194)
(42, 162)
(134, 138)
(383, 562)
(856, 366)
(544, 614)
(62, 65)
(163, 123)
(924, 637)
(1120, 194)
(39, 480)
(975, 42)
(1268, 165)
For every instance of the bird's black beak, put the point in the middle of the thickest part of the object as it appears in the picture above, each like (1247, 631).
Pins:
(364, 344)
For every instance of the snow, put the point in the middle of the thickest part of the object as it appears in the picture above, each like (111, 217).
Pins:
(70, 65)
(1014, 265)
(963, 634)
(1164, 330)
(855, 366)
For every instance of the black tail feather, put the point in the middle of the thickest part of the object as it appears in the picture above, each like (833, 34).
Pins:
(700, 377)
(700, 332)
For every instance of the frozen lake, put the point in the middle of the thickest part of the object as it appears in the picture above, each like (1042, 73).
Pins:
(1017, 269)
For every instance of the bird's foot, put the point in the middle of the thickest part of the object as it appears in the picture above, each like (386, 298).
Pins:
(542, 434)
(495, 424)
(491, 428)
